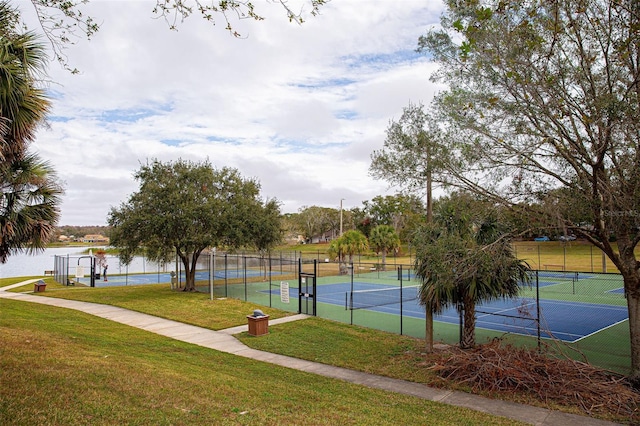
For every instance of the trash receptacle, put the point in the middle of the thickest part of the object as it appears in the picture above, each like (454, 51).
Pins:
(39, 286)
(258, 323)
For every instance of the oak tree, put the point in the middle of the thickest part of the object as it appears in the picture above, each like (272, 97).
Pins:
(185, 207)
(542, 96)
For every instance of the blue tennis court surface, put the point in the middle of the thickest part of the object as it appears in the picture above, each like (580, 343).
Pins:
(165, 277)
(567, 321)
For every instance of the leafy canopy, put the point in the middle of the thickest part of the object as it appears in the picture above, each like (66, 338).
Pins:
(185, 207)
(543, 100)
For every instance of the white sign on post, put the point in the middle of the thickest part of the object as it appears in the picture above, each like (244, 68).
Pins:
(284, 291)
(79, 272)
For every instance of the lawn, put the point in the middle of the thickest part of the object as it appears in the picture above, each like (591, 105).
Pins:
(61, 367)
(549, 255)
(315, 339)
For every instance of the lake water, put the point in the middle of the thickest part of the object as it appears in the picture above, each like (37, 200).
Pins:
(20, 265)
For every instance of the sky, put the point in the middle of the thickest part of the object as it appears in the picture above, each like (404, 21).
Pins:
(299, 108)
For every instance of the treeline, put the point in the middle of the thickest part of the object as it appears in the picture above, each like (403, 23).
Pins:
(81, 231)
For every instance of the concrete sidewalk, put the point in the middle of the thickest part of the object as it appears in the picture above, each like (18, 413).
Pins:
(224, 341)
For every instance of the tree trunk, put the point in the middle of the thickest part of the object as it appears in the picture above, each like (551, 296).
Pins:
(188, 261)
(384, 260)
(429, 316)
(429, 193)
(633, 304)
(428, 332)
(629, 268)
(469, 325)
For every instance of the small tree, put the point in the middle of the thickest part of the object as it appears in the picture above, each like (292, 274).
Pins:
(413, 158)
(462, 260)
(337, 250)
(188, 207)
(412, 154)
(384, 239)
(354, 242)
(350, 243)
(399, 211)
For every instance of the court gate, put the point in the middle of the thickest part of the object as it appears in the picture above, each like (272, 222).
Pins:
(307, 288)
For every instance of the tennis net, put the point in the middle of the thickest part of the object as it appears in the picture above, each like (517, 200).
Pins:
(363, 299)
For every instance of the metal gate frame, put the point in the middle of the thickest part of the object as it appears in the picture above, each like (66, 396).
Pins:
(307, 292)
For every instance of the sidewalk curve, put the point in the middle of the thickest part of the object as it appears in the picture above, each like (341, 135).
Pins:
(224, 341)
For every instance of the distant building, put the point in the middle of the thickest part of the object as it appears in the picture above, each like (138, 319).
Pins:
(95, 238)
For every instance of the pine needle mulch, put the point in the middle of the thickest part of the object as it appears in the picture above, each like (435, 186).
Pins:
(499, 368)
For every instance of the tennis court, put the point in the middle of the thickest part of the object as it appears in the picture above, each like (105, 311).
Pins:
(569, 321)
(165, 277)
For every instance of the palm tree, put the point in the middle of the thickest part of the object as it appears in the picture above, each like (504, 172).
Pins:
(350, 243)
(354, 242)
(462, 262)
(336, 250)
(28, 205)
(384, 239)
(30, 192)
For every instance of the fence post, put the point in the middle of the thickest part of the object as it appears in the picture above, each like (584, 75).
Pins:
(300, 284)
(538, 308)
(269, 259)
(211, 275)
(244, 273)
(401, 299)
(351, 310)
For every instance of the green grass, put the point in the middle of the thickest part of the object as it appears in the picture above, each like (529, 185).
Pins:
(314, 339)
(65, 367)
(159, 300)
(372, 351)
(549, 255)
(609, 348)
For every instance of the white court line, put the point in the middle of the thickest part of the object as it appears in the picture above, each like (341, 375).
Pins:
(602, 329)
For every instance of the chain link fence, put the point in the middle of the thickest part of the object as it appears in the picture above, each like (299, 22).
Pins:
(582, 315)
(565, 313)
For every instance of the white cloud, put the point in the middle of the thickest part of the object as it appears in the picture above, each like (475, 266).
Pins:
(300, 108)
